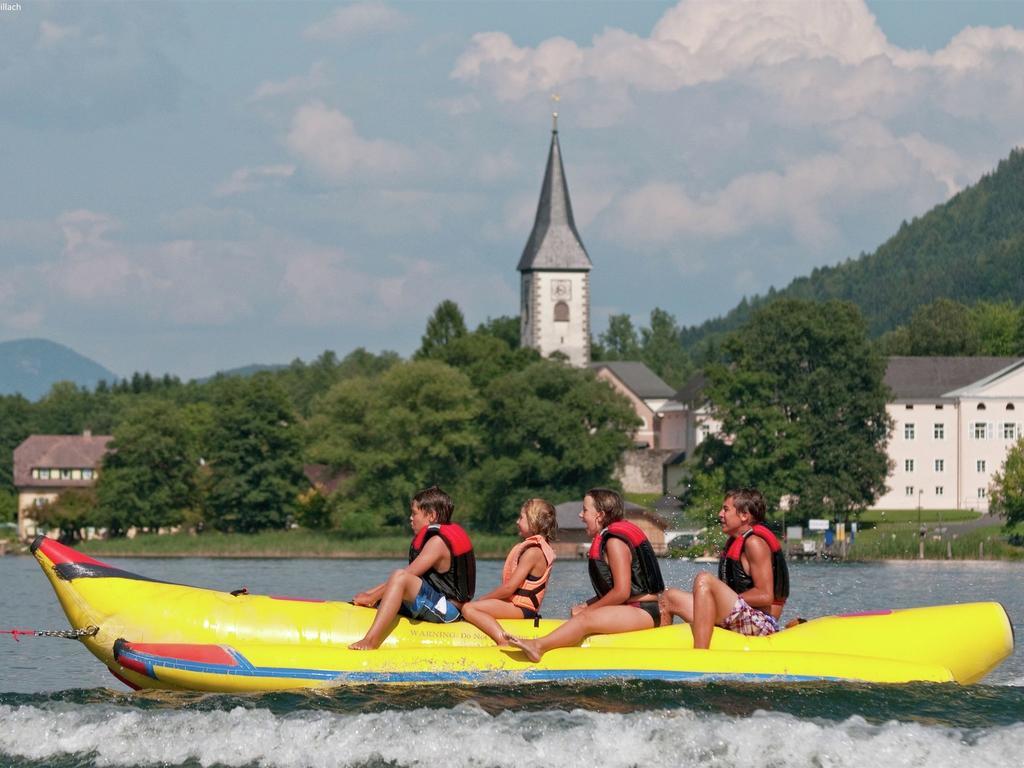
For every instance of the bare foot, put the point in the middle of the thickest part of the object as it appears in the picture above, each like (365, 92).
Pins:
(365, 645)
(529, 647)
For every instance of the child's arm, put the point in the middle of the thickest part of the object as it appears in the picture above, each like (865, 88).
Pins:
(433, 553)
(760, 558)
(617, 552)
(532, 558)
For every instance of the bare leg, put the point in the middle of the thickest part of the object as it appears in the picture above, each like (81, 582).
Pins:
(609, 620)
(399, 586)
(483, 615)
(712, 602)
(676, 602)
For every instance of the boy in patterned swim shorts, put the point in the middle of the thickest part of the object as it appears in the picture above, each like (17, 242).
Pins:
(753, 580)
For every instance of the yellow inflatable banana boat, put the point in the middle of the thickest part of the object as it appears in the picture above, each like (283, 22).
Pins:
(154, 634)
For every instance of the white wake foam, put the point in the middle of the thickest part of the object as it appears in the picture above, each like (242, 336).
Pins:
(467, 736)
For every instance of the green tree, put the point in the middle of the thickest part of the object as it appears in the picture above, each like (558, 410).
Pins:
(16, 423)
(548, 430)
(996, 327)
(1006, 496)
(662, 350)
(8, 506)
(254, 453)
(802, 406)
(505, 328)
(70, 513)
(443, 327)
(412, 427)
(149, 475)
(943, 327)
(620, 340)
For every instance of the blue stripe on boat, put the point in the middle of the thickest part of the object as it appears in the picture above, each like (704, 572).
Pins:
(246, 669)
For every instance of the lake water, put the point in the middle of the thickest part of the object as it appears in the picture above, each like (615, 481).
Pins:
(60, 707)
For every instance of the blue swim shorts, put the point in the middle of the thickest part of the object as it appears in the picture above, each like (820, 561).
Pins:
(431, 605)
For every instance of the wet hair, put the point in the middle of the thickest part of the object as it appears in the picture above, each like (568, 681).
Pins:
(433, 499)
(608, 503)
(541, 517)
(750, 501)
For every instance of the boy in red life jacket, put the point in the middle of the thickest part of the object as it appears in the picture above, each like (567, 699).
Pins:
(753, 579)
(524, 578)
(440, 577)
(624, 572)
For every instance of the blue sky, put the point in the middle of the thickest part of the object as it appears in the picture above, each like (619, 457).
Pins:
(187, 187)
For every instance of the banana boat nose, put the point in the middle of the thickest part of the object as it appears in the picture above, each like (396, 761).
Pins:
(61, 556)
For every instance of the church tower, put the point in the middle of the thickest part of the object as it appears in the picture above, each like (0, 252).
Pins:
(555, 272)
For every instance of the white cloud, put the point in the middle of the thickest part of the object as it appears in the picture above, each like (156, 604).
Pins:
(327, 141)
(313, 80)
(356, 19)
(248, 179)
(51, 34)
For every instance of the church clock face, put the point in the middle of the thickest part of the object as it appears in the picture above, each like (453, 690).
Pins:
(561, 290)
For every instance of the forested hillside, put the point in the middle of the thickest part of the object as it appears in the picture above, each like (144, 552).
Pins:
(969, 249)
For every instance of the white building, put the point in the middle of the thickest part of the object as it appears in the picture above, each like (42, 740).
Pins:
(954, 419)
(555, 269)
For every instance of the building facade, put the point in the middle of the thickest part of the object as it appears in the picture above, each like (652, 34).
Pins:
(555, 273)
(47, 465)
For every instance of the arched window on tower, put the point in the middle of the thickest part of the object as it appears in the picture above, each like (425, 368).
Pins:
(561, 312)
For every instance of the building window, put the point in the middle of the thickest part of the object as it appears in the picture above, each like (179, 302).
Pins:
(981, 430)
(910, 407)
(982, 493)
(39, 501)
(940, 465)
(908, 431)
(44, 474)
(908, 465)
(76, 474)
(561, 312)
(87, 474)
(939, 431)
(939, 490)
(980, 465)
(981, 406)
(1009, 431)
(938, 407)
(1009, 406)
(909, 490)
(65, 474)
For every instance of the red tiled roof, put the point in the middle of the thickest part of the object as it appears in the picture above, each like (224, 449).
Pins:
(57, 452)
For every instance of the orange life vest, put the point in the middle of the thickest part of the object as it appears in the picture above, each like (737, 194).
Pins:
(531, 594)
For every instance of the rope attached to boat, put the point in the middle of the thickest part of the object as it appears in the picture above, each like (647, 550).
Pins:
(67, 634)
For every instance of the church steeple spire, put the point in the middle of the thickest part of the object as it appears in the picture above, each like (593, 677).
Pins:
(555, 272)
(554, 242)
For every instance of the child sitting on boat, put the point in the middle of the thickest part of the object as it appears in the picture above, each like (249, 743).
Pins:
(753, 579)
(524, 579)
(624, 572)
(440, 577)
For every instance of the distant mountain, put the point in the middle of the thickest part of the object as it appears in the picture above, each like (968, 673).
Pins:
(244, 371)
(969, 249)
(31, 366)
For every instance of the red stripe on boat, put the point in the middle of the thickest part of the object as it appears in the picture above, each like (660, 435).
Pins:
(885, 612)
(296, 599)
(126, 681)
(59, 554)
(205, 654)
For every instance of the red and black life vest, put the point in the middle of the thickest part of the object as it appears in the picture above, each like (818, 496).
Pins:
(645, 573)
(730, 567)
(459, 582)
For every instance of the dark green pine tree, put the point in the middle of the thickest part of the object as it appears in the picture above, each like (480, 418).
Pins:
(443, 327)
(254, 457)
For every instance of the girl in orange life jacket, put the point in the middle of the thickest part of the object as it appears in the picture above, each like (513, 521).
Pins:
(440, 577)
(625, 575)
(753, 581)
(524, 578)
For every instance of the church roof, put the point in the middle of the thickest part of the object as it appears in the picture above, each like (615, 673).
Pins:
(554, 242)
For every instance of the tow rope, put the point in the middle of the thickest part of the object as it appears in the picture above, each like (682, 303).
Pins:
(67, 634)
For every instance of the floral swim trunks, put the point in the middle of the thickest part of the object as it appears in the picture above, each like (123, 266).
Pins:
(749, 621)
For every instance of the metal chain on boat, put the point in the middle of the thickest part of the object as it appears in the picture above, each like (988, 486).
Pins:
(67, 634)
